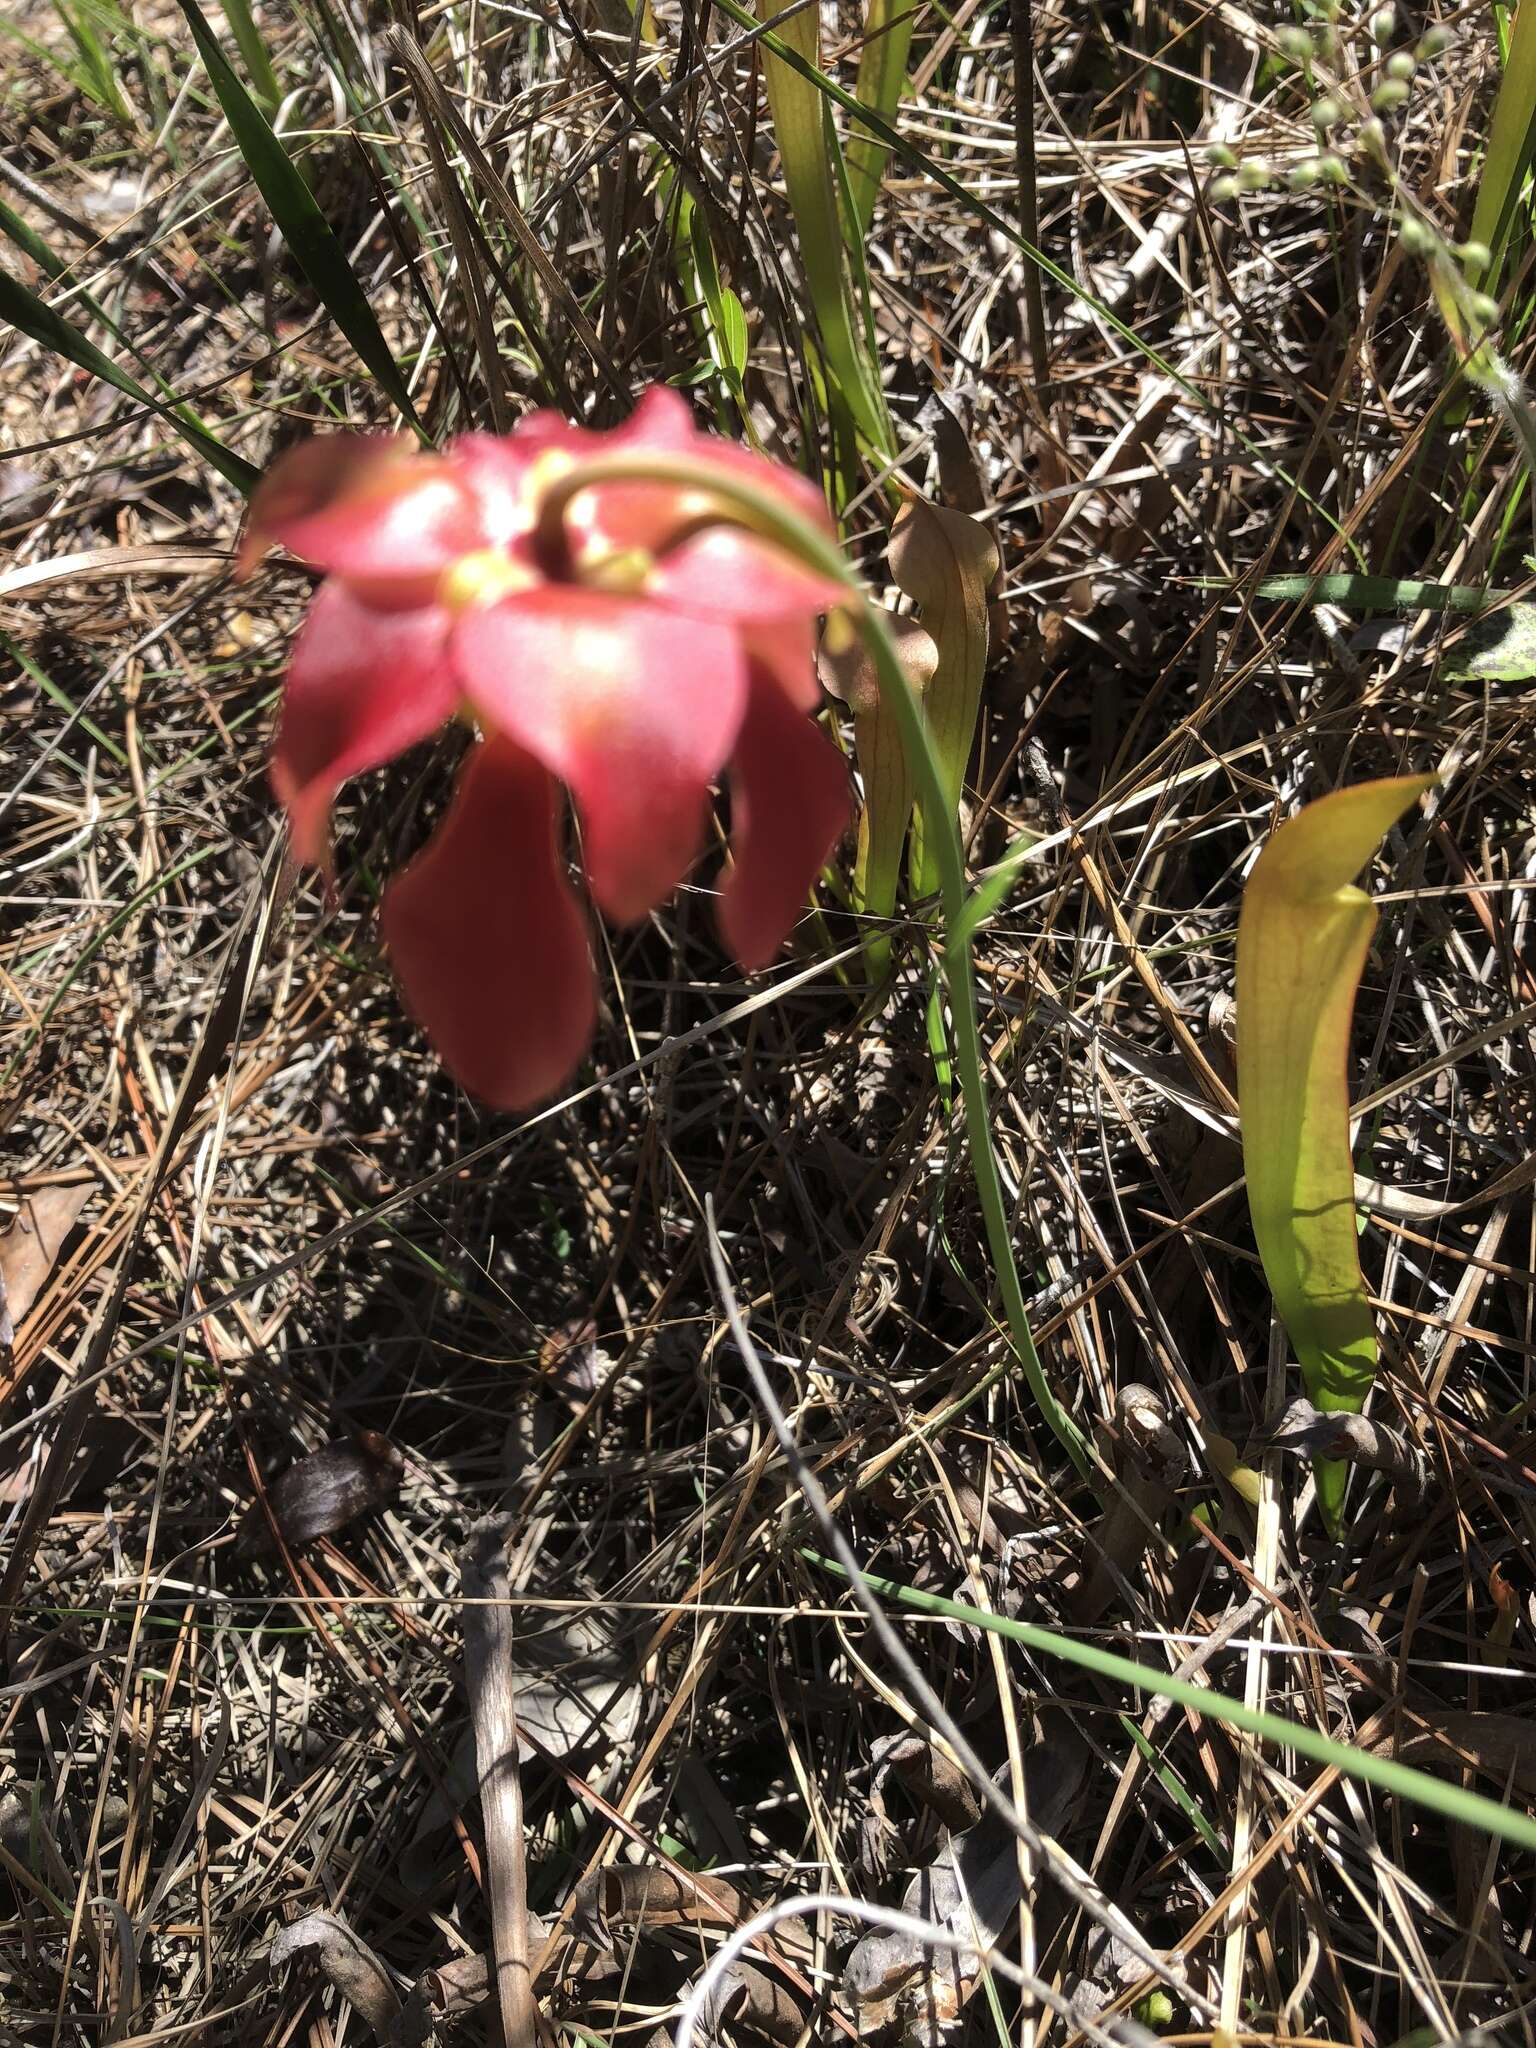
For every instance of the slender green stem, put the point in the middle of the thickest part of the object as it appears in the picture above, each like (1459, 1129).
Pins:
(960, 984)
(1440, 1795)
(767, 514)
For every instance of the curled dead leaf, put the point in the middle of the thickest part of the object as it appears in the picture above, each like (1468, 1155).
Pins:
(745, 1996)
(644, 1895)
(347, 1963)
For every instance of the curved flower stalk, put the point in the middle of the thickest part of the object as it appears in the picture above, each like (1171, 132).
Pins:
(620, 637)
(482, 577)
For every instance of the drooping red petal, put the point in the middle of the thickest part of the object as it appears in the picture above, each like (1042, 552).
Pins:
(789, 807)
(727, 573)
(487, 937)
(784, 654)
(370, 508)
(363, 686)
(635, 707)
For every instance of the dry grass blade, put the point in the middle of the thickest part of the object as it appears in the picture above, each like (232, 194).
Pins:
(489, 1668)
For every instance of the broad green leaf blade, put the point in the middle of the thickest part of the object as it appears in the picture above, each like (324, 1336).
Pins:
(882, 74)
(1302, 939)
(945, 561)
(727, 320)
(30, 315)
(303, 226)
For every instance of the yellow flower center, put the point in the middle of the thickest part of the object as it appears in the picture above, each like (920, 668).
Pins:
(623, 570)
(484, 577)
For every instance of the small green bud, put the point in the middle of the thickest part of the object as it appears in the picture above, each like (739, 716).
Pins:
(1389, 96)
(1223, 155)
(1155, 2010)
(1484, 310)
(1401, 65)
(1372, 135)
(1223, 190)
(1383, 24)
(1254, 177)
(1474, 257)
(1326, 113)
(1303, 176)
(1296, 44)
(1415, 236)
(1433, 43)
(1333, 170)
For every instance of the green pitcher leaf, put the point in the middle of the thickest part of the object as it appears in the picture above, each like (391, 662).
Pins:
(1302, 940)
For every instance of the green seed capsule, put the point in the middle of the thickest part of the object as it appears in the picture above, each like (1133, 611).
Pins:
(1433, 43)
(1389, 96)
(1222, 155)
(1223, 190)
(1383, 24)
(1333, 170)
(1401, 65)
(1296, 44)
(1474, 257)
(1484, 309)
(1415, 236)
(1303, 176)
(1254, 177)
(1326, 113)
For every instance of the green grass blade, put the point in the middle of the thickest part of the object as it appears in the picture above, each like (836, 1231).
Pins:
(1302, 939)
(796, 103)
(97, 68)
(882, 74)
(303, 226)
(1377, 593)
(1511, 142)
(31, 316)
(253, 52)
(1438, 1795)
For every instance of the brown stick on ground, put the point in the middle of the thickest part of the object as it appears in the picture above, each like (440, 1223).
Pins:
(493, 1708)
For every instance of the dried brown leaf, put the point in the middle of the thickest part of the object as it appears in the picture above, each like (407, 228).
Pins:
(1501, 1746)
(347, 1962)
(29, 1247)
(743, 1995)
(645, 1895)
(323, 1492)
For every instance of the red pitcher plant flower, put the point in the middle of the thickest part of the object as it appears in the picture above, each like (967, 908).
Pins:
(620, 637)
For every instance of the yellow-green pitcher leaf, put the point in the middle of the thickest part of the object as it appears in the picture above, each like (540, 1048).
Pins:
(1302, 940)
